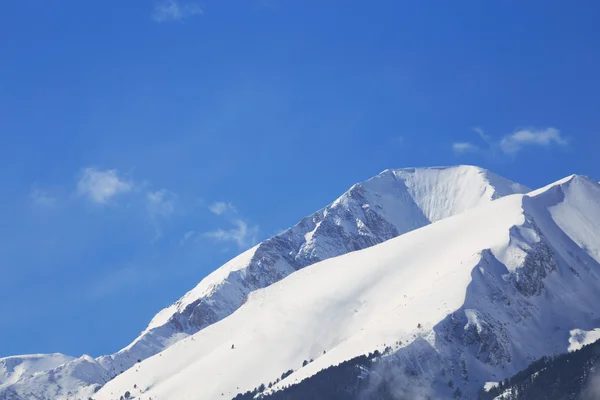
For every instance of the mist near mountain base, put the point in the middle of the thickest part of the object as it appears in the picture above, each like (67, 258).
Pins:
(391, 381)
(592, 389)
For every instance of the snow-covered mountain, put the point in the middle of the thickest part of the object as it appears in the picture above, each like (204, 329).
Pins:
(469, 299)
(15, 368)
(383, 207)
(50, 376)
(387, 205)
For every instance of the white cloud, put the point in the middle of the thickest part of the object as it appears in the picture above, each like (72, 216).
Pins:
(511, 144)
(464, 147)
(42, 198)
(221, 207)
(486, 138)
(242, 234)
(101, 186)
(160, 203)
(175, 10)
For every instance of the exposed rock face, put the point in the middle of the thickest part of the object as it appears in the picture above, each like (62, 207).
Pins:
(539, 262)
(479, 333)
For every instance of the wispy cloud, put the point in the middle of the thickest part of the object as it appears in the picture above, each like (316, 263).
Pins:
(42, 198)
(464, 147)
(221, 207)
(241, 234)
(154, 206)
(161, 203)
(468, 147)
(513, 143)
(175, 10)
(483, 136)
(101, 186)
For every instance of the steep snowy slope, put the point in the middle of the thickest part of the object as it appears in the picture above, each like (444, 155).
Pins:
(387, 205)
(469, 299)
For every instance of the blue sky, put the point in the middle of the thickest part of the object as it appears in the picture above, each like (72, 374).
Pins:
(144, 143)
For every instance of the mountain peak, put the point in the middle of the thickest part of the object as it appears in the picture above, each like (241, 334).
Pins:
(385, 206)
(392, 203)
(440, 192)
(472, 297)
(561, 184)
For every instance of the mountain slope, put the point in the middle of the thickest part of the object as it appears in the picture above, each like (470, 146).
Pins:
(386, 206)
(468, 299)
(567, 376)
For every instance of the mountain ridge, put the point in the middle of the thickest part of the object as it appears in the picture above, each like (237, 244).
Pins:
(391, 203)
(484, 304)
(308, 250)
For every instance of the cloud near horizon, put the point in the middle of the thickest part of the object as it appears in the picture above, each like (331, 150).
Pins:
(513, 143)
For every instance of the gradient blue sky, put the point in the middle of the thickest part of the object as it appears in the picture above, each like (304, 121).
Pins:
(123, 124)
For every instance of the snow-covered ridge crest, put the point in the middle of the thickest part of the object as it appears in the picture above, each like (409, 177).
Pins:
(388, 205)
(392, 203)
(479, 295)
(402, 199)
